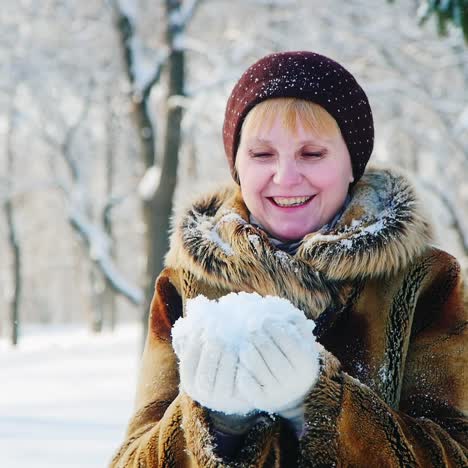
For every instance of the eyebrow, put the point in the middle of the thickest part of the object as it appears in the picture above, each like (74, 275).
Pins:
(268, 142)
(258, 140)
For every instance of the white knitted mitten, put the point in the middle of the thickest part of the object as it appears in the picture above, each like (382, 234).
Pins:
(208, 370)
(279, 366)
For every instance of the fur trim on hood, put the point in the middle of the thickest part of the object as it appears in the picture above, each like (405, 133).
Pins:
(380, 232)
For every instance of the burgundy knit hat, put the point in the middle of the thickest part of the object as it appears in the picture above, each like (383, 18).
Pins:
(309, 76)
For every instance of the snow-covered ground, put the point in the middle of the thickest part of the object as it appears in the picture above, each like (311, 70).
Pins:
(66, 396)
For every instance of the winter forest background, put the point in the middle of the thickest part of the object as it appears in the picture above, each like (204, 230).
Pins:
(107, 107)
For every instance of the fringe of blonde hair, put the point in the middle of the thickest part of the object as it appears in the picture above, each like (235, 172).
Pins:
(291, 111)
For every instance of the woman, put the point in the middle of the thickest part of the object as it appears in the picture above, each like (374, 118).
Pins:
(349, 248)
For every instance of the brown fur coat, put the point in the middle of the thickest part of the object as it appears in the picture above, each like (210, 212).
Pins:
(393, 386)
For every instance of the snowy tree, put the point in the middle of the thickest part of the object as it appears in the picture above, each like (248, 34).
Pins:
(51, 137)
(446, 12)
(143, 73)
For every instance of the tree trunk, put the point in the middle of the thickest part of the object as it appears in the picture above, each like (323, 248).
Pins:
(159, 209)
(13, 241)
(96, 291)
(108, 296)
(16, 255)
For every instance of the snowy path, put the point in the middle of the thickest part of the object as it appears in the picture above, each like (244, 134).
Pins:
(66, 396)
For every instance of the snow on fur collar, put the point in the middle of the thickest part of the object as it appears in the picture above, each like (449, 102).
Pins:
(380, 232)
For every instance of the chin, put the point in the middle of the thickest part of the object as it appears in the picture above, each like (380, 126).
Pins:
(290, 235)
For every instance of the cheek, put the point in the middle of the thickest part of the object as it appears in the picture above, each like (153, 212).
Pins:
(253, 178)
(248, 188)
(249, 185)
(251, 189)
(334, 177)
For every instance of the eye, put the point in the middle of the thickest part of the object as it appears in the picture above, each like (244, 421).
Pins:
(313, 154)
(260, 154)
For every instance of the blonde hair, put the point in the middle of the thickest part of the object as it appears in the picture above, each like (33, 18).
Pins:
(290, 110)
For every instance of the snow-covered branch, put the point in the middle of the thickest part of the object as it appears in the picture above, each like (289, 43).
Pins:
(143, 71)
(71, 132)
(64, 144)
(179, 18)
(128, 7)
(110, 204)
(99, 251)
(98, 243)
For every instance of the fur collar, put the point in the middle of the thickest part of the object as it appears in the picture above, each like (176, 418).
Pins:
(380, 232)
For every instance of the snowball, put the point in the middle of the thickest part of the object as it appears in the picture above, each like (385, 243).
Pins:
(216, 332)
(233, 318)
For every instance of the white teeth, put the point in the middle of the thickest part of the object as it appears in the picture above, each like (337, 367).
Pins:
(290, 201)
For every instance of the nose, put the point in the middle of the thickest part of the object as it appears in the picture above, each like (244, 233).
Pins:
(287, 173)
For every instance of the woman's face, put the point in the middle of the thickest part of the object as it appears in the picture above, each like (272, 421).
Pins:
(293, 182)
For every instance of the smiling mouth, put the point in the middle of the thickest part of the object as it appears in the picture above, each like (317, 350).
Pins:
(288, 202)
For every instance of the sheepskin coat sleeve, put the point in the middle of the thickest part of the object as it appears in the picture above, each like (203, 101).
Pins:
(389, 310)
